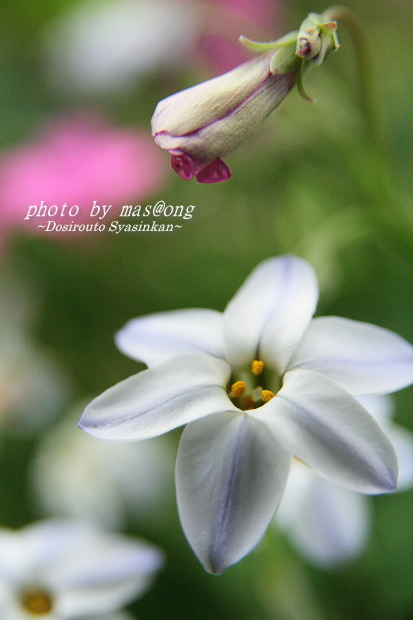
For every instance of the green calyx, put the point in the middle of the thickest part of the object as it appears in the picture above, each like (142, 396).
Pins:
(284, 59)
(316, 38)
(259, 46)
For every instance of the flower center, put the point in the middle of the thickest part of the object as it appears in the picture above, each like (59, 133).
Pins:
(252, 389)
(36, 601)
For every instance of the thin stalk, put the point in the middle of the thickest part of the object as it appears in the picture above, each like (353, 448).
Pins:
(387, 207)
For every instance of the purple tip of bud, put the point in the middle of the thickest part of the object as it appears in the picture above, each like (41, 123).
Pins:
(183, 166)
(186, 167)
(215, 172)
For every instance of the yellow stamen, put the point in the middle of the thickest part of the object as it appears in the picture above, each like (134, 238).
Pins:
(266, 395)
(257, 367)
(37, 602)
(238, 389)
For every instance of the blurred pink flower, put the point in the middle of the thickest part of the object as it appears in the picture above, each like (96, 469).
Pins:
(76, 161)
(227, 20)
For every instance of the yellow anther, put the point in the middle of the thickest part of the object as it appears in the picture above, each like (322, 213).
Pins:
(266, 395)
(37, 602)
(257, 367)
(238, 389)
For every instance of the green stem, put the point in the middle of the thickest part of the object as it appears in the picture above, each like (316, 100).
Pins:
(368, 82)
(284, 582)
(386, 206)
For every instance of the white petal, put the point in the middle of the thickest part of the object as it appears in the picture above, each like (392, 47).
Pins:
(153, 402)
(402, 441)
(14, 557)
(230, 476)
(104, 574)
(269, 314)
(382, 408)
(119, 615)
(326, 428)
(326, 523)
(155, 338)
(363, 358)
(28, 553)
(189, 110)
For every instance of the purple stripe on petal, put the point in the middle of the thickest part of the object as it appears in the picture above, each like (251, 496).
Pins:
(230, 476)
(230, 482)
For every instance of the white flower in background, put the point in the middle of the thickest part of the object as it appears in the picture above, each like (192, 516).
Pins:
(101, 47)
(67, 460)
(330, 525)
(62, 570)
(256, 385)
(32, 386)
(326, 523)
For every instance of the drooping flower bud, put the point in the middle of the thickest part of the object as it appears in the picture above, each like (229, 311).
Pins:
(202, 124)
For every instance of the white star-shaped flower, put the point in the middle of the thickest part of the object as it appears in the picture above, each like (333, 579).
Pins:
(256, 385)
(64, 570)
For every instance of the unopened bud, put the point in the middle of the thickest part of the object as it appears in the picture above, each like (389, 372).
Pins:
(316, 38)
(201, 125)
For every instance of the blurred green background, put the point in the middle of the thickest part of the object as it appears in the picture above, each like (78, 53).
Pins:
(310, 182)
